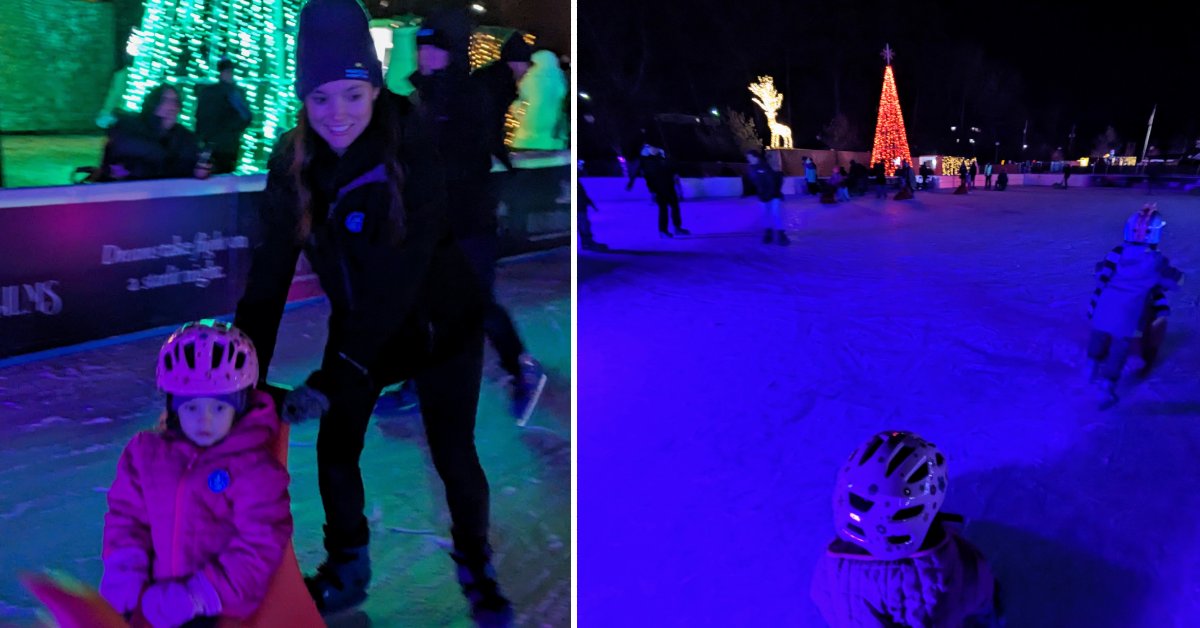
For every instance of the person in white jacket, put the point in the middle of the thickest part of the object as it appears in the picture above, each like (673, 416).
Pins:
(539, 105)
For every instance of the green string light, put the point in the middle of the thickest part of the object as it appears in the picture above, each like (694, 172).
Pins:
(181, 41)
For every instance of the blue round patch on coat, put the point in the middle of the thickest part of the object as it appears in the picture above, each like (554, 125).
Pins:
(218, 480)
(354, 222)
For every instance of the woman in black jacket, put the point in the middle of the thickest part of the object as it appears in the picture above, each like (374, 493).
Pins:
(358, 187)
(152, 144)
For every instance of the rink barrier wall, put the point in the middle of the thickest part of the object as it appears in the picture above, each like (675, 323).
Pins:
(610, 189)
(87, 262)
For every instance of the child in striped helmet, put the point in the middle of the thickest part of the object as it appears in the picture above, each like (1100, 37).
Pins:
(1129, 302)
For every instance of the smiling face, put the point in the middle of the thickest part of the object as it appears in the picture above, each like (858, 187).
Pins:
(206, 420)
(339, 111)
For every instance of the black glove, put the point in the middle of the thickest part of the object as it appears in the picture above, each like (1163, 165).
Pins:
(342, 380)
(303, 404)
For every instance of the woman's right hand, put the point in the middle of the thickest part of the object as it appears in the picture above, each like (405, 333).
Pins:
(303, 404)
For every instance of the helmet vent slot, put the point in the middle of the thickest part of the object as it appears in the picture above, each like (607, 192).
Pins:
(218, 354)
(898, 460)
(860, 503)
(870, 450)
(918, 474)
(908, 513)
(189, 355)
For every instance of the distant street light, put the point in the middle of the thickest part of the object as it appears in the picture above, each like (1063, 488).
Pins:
(585, 95)
(716, 114)
(478, 8)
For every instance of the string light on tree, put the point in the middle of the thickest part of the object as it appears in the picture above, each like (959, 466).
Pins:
(770, 100)
(181, 41)
(891, 142)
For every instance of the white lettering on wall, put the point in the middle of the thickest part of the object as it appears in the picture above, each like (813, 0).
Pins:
(202, 245)
(29, 298)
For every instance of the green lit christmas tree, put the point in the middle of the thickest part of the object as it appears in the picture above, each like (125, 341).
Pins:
(181, 41)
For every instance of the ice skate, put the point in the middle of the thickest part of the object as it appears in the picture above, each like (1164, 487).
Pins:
(341, 581)
(527, 389)
(477, 577)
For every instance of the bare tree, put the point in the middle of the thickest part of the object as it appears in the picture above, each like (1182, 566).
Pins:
(841, 134)
(744, 130)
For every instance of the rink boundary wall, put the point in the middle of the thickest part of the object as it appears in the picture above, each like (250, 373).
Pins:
(88, 262)
(610, 189)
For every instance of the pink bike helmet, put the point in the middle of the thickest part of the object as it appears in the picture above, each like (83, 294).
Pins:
(207, 358)
(888, 493)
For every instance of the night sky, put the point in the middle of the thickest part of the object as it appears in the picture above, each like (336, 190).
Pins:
(988, 65)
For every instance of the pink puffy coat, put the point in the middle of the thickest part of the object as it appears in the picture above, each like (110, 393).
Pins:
(222, 510)
(935, 588)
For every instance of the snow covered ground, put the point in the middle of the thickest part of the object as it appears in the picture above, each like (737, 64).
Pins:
(722, 381)
(64, 422)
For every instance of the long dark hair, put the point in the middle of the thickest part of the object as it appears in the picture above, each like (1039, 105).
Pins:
(384, 124)
(150, 105)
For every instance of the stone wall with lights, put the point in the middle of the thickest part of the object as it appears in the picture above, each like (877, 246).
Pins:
(58, 60)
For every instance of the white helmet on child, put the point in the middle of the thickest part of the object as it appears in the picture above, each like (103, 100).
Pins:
(207, 357)
(1145, 225)
(888, 493)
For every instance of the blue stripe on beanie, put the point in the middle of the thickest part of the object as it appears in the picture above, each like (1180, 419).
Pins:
(335, 43)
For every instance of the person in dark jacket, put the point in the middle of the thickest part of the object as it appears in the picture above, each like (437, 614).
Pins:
(858, 176)
(879, 175)
(358, 187)
(768, 185)
(152, 144)
(221, 117)
(462, 109)
(661, 176)
(498, 80)
(1002, 179)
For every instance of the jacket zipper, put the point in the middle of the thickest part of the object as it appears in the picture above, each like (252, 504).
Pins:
(179, 494)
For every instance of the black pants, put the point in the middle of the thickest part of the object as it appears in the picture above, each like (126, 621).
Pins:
(482, 250)
(448, 388)
(665, 202)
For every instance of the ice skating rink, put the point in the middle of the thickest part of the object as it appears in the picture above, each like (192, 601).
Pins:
(64, 422)
(722, 381)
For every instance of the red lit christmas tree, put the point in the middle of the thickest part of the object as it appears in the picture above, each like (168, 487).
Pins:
(891, 143)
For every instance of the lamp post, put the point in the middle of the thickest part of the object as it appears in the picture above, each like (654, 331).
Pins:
(996, 157)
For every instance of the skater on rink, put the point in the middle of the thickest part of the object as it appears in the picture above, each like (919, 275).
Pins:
(198, 515)
(897, 560)
(1129, 301)
(358, 185)
(661, 178)
(768, 184)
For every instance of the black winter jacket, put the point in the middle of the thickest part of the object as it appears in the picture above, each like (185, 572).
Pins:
(147, 152)
(391, 302)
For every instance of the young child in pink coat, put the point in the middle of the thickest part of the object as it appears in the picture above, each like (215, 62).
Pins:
(198, 515)
(896, 562)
